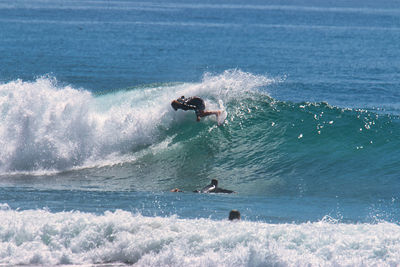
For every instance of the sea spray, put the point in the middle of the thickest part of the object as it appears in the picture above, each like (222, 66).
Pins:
(43, 127)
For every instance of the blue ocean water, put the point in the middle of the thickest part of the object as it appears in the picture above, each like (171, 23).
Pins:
(90, 146)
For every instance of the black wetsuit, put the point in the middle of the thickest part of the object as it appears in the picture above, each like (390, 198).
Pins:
(192, 103)
(213, 188)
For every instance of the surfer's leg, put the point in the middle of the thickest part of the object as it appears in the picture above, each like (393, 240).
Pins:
(209, 112)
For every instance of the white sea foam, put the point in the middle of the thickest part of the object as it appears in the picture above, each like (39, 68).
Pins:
(39, 237)
(47, 127)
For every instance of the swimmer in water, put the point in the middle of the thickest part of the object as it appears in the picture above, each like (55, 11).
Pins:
(234, 215)
(175, 190)
(193, 103)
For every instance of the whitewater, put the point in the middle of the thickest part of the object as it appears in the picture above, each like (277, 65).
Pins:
(65, 238)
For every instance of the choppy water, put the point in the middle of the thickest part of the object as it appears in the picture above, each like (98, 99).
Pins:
(90, 146)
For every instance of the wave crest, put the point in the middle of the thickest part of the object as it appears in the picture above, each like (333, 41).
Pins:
(53, 127)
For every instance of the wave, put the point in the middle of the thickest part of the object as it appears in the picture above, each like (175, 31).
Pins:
(47, 126)
(40, 237)
(266, 146)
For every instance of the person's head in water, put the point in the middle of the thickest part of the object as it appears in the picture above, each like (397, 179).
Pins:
(214, 182)
(234, 215)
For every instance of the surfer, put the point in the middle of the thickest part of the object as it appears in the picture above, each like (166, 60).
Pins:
(193, 103)
(213, 188)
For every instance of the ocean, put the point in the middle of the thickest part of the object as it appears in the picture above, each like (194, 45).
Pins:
(90, 147)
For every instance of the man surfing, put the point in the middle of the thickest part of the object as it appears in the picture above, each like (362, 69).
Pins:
(193, 103)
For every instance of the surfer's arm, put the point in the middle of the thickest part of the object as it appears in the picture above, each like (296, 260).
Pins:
(208, 189)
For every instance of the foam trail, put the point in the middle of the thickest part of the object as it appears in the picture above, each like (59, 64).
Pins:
(48, 127)
(43, 238)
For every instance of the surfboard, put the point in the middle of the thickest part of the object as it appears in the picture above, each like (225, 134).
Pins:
(222, 116)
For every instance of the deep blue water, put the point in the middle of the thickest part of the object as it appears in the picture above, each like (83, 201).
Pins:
(90, 147)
